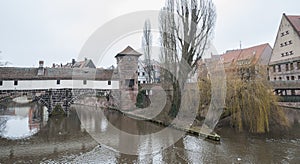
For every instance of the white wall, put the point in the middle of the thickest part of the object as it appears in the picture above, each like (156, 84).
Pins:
(51, 84)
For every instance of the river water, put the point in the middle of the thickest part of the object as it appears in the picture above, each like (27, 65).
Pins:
(91, 135)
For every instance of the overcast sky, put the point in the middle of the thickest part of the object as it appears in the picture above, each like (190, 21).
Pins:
(56, 30)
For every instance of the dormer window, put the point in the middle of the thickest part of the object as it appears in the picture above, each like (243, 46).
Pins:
(58, 82)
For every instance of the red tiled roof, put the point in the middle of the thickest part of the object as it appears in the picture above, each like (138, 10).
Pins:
(129, 51)
(252, 54)
(295, 21)
(231, 56)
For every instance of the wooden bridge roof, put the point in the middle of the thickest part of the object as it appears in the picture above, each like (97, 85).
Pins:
(15, 73)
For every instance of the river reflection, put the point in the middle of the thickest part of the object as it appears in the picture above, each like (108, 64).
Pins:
(21, 121)
(92, 135)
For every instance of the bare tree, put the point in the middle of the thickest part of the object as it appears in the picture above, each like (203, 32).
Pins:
(186, 29)
(146, 44)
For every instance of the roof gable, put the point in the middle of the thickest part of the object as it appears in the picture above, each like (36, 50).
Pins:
(295, 22)
(128, 51)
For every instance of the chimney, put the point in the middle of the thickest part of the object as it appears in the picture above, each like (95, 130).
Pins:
(41, 70)
(41, 64)
(53, 65)
(73, 62)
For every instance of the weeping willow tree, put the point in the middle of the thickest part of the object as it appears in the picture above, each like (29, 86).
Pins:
(250, 102)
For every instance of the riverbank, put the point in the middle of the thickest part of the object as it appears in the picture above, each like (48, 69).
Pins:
(149, 116)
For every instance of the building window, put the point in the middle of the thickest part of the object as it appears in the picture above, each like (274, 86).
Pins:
(287, 78)
(298, 77)
(292, 77)
(144, 82)
(287, 67)
(292, 66)
(290, 42)
(281, 44)
(1, 82)
(109, 82)
(58, 82)
(287, 54)
(143, 73)
(291, 52)
(138, 74)
(274, 68)
(282, 54)
(84, 82)
(280, 78)
(284, 33)
(293, 92)
(298, 65)
(139, 82)
(15, 82)
(279, 68)
(274, 78)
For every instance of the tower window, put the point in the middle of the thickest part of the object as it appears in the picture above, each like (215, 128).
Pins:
(58, 82)
(109, 82)
(84, 82)
(1, 82)
(16, 82)
(292, 66)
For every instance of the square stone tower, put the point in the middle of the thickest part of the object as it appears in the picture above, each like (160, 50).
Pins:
(127, 62)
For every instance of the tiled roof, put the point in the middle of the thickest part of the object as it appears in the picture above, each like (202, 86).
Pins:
(14, 73)
(252, 54)
(231, 56)
(129, 51)
(295, 21)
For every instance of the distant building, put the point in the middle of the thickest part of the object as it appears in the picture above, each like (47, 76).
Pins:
(86, 63)
(246, 61)
(256, 55)
(143, 76)
(284, 66)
